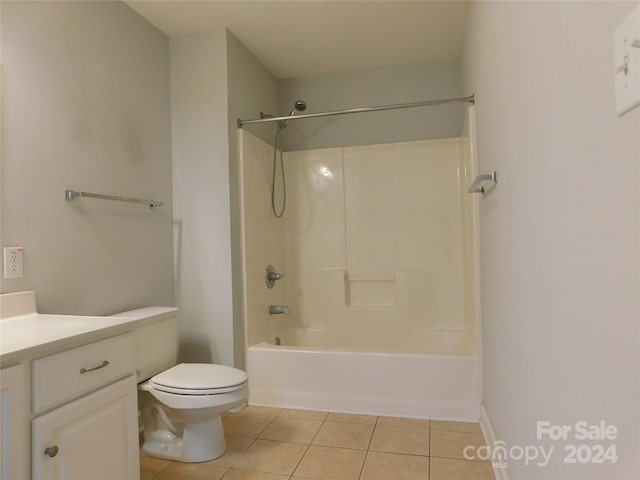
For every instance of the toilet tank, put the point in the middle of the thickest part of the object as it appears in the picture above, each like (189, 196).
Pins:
(156, 339)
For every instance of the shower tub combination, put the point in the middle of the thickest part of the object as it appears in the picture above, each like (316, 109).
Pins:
(379, 247)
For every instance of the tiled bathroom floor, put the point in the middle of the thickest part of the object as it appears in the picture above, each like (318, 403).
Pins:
(280, 444)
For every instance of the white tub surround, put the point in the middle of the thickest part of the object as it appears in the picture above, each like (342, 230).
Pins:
(378, 245)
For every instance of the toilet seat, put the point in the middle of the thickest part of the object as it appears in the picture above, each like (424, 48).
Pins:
(199, 379)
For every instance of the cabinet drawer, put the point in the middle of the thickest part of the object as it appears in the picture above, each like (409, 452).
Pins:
(66, 375)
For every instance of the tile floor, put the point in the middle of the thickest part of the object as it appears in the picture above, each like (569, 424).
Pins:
(280, 444)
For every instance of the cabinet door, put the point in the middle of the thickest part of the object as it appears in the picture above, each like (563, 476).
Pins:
(94, 437)
(14, 423)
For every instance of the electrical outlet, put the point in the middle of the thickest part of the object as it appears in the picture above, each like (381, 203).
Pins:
(13, 262)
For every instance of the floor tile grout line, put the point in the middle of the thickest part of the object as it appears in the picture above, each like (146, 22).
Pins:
(342, 446)
(364, 461)
(305, 451)
(253, 440)
(373, 433)
(162, 469)
(225, 473)
(398, 453)
(464, 460)
(319, 428)
(366, 452)
(293, 472)
(309, 445)
(297, 443)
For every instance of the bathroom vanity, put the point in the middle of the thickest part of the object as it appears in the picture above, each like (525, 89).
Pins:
(68, 403)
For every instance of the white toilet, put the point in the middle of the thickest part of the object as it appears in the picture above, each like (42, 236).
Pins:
(180, 404)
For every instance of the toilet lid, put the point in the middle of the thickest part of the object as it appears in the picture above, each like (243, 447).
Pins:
(203, 378)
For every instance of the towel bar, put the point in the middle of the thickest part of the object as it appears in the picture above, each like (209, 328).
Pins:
(71, 194)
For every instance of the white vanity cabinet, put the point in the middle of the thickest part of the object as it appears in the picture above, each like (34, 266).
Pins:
(94, 437)
(86, 423)
(14, 423)
(68, 393)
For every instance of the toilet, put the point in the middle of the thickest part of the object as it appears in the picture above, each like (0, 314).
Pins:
(180, 405)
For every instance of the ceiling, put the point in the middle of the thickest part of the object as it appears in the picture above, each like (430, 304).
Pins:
(298, 38)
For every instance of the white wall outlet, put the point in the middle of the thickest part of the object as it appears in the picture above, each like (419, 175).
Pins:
(626, 52)
(13, 262)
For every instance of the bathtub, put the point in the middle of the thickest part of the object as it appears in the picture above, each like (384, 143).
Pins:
(423, 373)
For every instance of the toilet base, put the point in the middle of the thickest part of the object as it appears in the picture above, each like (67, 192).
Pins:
(200, 442)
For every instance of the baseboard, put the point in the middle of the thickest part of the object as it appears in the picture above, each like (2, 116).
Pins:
(487, 430)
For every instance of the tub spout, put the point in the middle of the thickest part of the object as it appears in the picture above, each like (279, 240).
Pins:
(278, 309)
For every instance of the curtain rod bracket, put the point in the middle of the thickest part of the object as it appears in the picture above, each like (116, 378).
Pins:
(477, 187)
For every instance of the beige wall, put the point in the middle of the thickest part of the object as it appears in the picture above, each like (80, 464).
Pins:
(87, 109)
(560, 241)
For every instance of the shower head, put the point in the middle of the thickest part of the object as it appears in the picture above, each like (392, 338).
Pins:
(298, 106)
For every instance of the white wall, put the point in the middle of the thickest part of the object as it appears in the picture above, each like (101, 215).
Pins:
(251, 89)
(201, 197)
(85, 105)
(214, 80)
(371, 87)
(559, 243)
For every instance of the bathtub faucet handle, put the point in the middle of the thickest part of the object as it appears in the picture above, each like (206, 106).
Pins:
(278, 309)
(272, 276)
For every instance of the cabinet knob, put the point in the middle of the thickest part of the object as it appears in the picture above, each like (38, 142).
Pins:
(51, 451)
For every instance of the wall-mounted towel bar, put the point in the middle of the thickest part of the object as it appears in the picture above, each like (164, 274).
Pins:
(71, 194)
(477, 187)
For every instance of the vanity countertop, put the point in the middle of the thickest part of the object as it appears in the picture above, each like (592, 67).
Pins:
(28, 334)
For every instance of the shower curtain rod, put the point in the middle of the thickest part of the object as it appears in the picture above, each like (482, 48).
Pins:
(470, 99)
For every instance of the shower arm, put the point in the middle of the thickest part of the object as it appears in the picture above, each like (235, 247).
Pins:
(470, 99)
